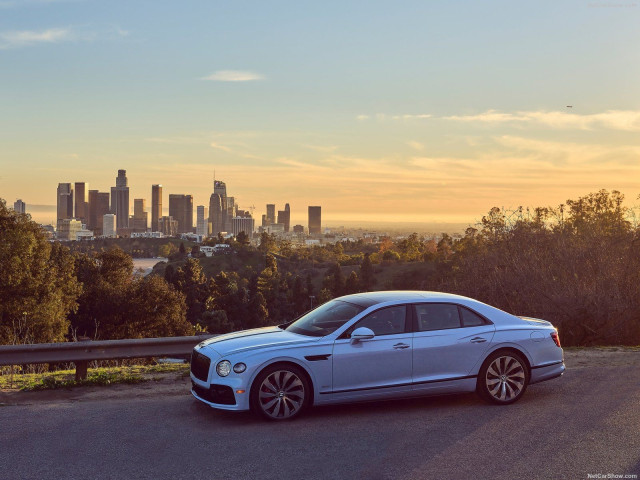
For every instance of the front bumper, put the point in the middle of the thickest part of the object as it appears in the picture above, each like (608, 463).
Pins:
(214, 396)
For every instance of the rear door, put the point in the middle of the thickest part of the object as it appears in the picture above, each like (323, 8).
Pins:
(449, 340)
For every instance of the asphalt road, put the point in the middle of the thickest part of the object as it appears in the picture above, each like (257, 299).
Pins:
(587, 422)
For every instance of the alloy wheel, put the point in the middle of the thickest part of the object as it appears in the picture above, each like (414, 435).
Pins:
(505, 378)
(281, 394)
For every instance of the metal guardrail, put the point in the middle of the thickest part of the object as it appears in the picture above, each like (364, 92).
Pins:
(84, 351)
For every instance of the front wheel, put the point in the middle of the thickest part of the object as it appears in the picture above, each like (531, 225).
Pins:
(280, 392)
(503, 378)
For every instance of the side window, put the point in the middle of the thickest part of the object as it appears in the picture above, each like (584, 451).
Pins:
(386, 321)
(471, 319)
(436, 316)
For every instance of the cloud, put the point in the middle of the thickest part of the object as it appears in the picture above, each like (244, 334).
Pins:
(24, 38)
(233, 76)
(416, 145)
(382, 117)
(626, 120)
(217, 146)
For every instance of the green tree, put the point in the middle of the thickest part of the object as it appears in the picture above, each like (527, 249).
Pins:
(243, 239)
(38, 288)
(367, 279)
(352, 283)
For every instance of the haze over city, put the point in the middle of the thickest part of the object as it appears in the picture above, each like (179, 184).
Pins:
(379, 112)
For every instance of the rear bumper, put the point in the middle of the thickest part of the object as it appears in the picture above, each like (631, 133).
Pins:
(546, 372)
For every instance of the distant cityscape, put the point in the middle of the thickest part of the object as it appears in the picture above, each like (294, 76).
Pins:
(84, 214)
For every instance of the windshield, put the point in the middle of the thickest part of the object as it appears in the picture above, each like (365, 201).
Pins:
(325, 319)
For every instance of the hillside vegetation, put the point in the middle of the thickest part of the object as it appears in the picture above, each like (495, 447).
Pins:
(577, 265)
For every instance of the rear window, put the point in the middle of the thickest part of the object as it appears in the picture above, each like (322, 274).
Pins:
(471, 319)
(437, 316)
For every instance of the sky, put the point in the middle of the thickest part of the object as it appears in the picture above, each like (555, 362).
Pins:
(379, 111)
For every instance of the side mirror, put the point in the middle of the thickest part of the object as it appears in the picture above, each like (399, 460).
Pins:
(362, 333)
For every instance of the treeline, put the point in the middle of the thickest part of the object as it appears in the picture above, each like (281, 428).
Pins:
(576, 265)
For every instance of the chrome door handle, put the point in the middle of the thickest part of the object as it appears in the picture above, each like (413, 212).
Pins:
(478, 340)
(400, 345)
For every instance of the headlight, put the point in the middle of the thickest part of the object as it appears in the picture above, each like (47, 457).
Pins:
(223, 368)
(239, 367)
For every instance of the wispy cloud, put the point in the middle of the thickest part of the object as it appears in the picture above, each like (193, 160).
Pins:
(416, 145)
(381, 117)
(217, 146)
(626, 120)
(24, 38)
(233, 76)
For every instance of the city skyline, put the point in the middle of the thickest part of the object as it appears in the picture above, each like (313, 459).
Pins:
(443, 110)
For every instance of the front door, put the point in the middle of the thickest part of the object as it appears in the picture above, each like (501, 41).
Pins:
(382, 362)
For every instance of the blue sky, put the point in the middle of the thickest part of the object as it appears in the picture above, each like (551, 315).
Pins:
(376, 110)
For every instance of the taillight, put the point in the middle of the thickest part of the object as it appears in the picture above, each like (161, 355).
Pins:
(556, 338)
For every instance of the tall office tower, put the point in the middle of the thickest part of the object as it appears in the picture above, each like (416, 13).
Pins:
(140, 217)
(217, 214)
(65, 201)
(109, 225)
(98, 208)
(156, 206)
(82, 210)
(271, 213)
(19, 206)
(264, 220)
(181, 209)
(242, 224)
(315, 220)
(284, 217)
(287, 218)
(120, 200)
(203, 225)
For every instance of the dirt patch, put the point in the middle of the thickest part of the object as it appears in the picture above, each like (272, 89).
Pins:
(601, 357)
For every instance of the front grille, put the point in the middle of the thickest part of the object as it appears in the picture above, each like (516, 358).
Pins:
(200, 365)
(220, 394)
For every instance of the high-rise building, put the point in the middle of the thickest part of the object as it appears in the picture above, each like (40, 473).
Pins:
(120, 200)
(168, 226)
(217, 214)
(203, 225)
(181, 209)
(156, 206)
(81, 210)
(298, 229)
(284, 217)
(271, 213)
(65, 201)
(140, 217)
(315, 220)
(98, 208)
(109, 225)
(242, 224)
(19, 206)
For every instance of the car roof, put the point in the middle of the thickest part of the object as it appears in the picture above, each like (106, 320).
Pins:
(369, 299)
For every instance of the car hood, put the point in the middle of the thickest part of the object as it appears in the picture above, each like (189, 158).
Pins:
(256, 338)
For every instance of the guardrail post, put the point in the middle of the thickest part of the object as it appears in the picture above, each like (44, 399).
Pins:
(81, 365)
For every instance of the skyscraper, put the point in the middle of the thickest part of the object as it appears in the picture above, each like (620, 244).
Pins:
(65, 201)
(217, 214)
(81, 210)
(98, 208)
(315, 220)
(271, 213)
(139, 215)
(120, 200)
(284, 217)
(181, 209)
(203, 224)
(109, 221)
(19, 206)
(156, 206)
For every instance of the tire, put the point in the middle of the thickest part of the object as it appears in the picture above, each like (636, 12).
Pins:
(280, 392)
(503, 378)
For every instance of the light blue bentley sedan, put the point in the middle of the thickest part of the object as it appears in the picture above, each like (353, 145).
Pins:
(373, 346)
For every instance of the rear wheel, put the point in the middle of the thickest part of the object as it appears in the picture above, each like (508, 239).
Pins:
(280, 392)
(503, 378)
